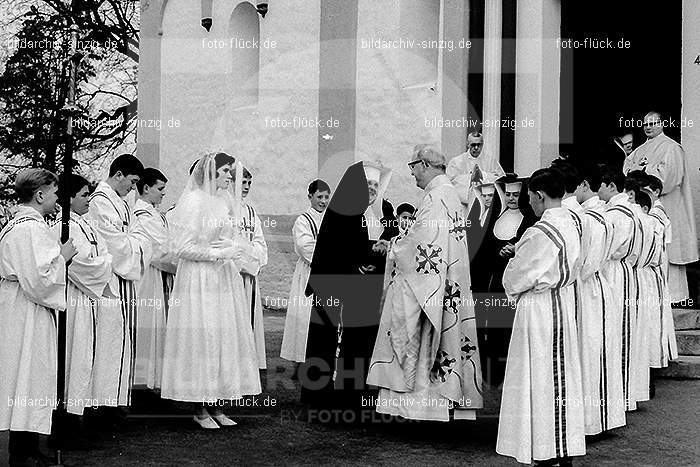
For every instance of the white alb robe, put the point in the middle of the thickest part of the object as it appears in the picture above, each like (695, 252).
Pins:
(128, 243)
(32, 285)
(667, 348)
(649, 297)
(618, 270)
(296, 324)
(153, 293)
(426, 356)
(664, 158)
(253, 257)
(598, 319)
(89, 278)
(542, 409)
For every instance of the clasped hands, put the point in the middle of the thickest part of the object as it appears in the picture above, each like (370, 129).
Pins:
(507, 251)
(227, 249)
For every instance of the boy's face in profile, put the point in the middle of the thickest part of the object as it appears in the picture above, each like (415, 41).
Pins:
(405, 220)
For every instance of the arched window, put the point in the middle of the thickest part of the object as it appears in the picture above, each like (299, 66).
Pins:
(244, 31)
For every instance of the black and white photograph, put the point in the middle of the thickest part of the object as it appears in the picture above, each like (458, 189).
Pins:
(349, 232)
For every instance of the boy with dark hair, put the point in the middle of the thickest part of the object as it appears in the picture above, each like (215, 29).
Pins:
(649, 246)
(619, 269)
(32, 286)
(542, 410)
(253, 257)
(89, 274)
(304, 232)
(157, 282)
(662, 330)
(597, 315)
(405, 214)
(129, 244)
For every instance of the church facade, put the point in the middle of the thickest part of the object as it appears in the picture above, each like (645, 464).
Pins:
(300, 89)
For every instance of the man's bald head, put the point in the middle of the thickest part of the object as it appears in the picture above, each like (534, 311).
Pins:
(653, 125)
(475, 143)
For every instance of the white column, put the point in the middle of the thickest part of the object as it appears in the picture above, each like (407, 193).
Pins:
(493, 41)
(690, 97)
(537, 66)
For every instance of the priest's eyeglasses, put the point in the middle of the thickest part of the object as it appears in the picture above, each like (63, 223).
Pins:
(413, 163)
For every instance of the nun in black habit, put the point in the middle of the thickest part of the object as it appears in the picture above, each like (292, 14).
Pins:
(346, 285)
(512, 215)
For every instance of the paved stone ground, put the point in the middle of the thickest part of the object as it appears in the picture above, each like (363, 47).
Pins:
(663, 432)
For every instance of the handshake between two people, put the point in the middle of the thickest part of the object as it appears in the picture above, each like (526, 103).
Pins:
(381, 247)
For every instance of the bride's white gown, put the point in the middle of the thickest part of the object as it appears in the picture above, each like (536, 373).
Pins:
(209, 344)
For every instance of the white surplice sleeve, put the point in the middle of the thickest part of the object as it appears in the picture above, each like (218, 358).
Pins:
(253, 253)
(534, 266)
(672, 168)
(460, 180)
(91, 268)
(152, 224)
(304, 241)
(39, 267)
(127, 248)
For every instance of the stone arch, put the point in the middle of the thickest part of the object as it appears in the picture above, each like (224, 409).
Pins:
(244, 70)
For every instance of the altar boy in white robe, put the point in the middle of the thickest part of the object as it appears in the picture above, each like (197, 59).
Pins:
(599, 335)
(426, 357)
(252, 258)
(304, 232)
(618, 270)
(89, 278)
(663, 347)
(542, 409)
(592, 297)
(157, 282)
(32, 286)
(128, 243)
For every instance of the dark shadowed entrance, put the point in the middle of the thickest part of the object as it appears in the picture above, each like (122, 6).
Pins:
(600, 86)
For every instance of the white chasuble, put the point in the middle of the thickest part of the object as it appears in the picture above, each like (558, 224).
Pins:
(426, 357)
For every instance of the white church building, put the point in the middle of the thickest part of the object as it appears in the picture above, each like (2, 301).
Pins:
(300, 89)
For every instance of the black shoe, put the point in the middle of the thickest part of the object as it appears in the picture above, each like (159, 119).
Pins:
(565, 461)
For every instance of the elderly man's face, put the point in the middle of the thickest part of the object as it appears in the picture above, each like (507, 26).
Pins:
(627, 143)
(652, 126)
(476, 145)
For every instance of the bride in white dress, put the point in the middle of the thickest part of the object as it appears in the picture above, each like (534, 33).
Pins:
(210, 352)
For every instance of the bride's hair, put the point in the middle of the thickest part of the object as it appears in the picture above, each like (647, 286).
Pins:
(197, 170)
(221, 159)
